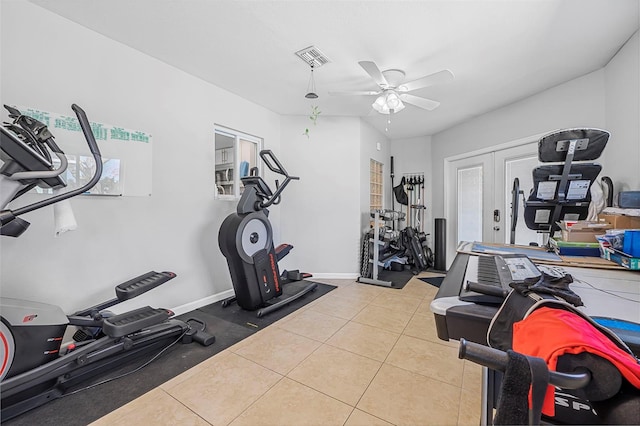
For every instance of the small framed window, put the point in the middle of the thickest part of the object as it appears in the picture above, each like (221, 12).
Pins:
(375, 185)
(236, 153)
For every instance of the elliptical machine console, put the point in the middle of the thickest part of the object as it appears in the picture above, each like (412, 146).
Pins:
(246, 241)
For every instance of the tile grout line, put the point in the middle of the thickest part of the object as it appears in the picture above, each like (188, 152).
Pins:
(324, 342)
(185, 406)
(379, 368)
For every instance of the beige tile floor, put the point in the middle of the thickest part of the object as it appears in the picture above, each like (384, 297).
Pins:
(360, 355)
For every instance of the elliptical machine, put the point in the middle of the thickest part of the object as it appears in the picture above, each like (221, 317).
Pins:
(35, 367)
(246, 241)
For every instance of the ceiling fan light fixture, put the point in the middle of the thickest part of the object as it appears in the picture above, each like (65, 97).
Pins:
(393, 100)
(393, 93)
(387, 102)
(380, 105)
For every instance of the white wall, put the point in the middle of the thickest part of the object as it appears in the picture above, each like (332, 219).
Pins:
(622, 116)
(176, 227)
(579, 102)
(608, 98)
(320, 213)
(413, 156)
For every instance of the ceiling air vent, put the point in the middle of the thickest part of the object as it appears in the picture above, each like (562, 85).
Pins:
(312, 57)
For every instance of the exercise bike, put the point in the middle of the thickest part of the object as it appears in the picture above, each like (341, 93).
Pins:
(35, 365)
(246, 241)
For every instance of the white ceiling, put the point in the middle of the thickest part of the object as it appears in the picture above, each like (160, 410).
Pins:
(500, 51)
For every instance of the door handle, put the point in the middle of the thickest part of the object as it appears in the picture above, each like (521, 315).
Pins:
(496, 215)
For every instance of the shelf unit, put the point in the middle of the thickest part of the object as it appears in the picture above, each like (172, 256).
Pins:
(374, 259)
(225, 165)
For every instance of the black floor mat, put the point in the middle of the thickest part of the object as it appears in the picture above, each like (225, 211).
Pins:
(230, 325)
(434, 281)
(398, 278)
(236, 315)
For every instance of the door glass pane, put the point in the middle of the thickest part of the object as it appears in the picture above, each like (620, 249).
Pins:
(520, 168)
(470, 204)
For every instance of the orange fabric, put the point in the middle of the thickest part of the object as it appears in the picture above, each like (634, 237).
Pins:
(548, 333)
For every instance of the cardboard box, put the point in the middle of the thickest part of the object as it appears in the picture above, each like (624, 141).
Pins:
(619, 221)
(582, 231)
(622, 259)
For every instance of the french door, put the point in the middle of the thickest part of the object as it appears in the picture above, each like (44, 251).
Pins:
(478, 196)
(512, 163)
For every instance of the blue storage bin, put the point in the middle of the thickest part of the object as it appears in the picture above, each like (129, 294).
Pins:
(631, 244)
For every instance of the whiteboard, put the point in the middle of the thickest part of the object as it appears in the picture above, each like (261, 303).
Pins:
(126, 154)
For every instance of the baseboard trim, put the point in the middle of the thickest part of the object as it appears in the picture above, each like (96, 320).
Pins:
(335, 276)
(192, 306)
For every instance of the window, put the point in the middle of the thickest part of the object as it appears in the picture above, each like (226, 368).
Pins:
(236, 153)
(375, 185)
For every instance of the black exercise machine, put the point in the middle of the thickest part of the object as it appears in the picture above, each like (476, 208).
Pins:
(246, 241)
(35, 366)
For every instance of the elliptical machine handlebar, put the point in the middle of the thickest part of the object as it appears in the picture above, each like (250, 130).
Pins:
(273, 163)
(275, 166)
(86, 129)
(7, 216)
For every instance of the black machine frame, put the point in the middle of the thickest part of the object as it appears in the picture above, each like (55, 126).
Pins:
(246, 240)
(35, 366)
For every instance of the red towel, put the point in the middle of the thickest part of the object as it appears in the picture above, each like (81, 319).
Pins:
(548, 333)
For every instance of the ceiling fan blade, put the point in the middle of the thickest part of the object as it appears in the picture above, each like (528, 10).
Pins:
(424, 103)
(429, 80)
(361, 93)
(372, 69)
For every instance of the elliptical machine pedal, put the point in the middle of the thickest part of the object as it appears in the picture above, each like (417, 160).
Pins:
(295, 275)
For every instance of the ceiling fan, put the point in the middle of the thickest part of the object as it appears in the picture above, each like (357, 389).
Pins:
(393, 90)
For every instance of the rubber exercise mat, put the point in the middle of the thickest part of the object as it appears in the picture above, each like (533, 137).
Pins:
(434, 281)
(229, 325)
(236, 315)
(398, 278)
